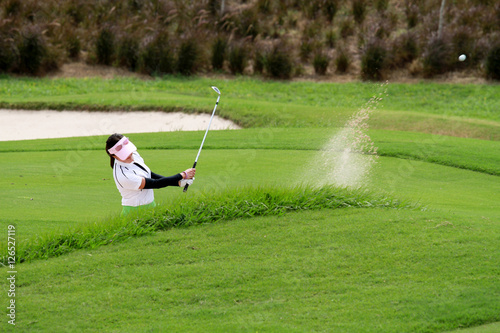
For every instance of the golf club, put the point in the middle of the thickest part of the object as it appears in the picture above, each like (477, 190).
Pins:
(202, 142)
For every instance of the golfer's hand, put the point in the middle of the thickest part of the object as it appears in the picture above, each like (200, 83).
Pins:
(188, 174)
(183, 182)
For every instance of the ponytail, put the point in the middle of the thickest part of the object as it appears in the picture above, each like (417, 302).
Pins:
(112, 140)
(111, 161)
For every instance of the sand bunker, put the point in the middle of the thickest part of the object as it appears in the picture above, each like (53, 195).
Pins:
(24, 125)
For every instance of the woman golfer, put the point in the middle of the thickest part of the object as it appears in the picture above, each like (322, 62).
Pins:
(134, 179)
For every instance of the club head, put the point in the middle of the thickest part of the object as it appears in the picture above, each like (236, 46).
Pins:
(216, 89)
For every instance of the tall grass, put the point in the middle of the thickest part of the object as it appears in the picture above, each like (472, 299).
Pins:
(201, 209)
(259, 201)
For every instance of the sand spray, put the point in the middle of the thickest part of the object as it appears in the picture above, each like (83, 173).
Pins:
(349, 155)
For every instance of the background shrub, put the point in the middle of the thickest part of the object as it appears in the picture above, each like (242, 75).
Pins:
(331, 38)
(76, 12)
(480, 51)
(237, 59)
(381, 5)
(310, 9)
(320, 63)
(214, 7)
(279, 63)
(264, 6)
(312, 30)
(359, 8)
(330, 8)
(259, 62)
(188, 56)
(105, 47)
(9, 54)
(73, 46)
(128, 52)
(404, 50)
(70, 29)
(157, 57)
(306, 48)
(52, 59)
(219, 53)
(346, 28)
(248, 23)
(135, 5)
(411, 12)
(12, 7)
(32, 50)
(437, 57)
(342, 61)
(493, 63)
(373, 60)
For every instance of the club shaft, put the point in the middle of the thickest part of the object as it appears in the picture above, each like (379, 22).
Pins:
(206, 132)
(204, 137)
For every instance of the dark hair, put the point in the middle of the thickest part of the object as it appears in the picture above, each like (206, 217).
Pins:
(112, 140)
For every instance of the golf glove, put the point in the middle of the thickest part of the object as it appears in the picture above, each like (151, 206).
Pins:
(183, 182)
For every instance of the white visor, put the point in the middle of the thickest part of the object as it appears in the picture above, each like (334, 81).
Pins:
(123, 148)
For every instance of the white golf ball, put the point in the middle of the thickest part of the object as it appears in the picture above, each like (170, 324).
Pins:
(462, 57)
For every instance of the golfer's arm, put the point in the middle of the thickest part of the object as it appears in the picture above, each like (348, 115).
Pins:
(156, 176)
(150, 183)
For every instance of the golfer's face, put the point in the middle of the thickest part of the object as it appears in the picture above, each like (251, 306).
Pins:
(129, 159)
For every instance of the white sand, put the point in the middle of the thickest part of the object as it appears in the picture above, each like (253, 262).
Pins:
(24, 125)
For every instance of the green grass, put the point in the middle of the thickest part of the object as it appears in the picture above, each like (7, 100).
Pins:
(250, 247)
(438, 187)
(489, 328)
(63, 182)
(471, 101)
(349, 270)
(463, 110)
(470, 154)
(476, 155)
(207, 208)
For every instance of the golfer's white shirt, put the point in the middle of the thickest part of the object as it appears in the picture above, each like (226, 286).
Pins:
(128, 178)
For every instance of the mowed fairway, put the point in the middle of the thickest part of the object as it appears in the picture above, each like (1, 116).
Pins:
(429, 264)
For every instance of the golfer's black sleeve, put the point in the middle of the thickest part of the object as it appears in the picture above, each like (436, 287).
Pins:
(156, 176)
(162, 181)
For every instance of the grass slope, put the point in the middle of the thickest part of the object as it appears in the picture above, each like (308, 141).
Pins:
(207, 208)
(476, 155)
(350, 270)
(344, 270)
(488, 328)
(461, 110)
(471, 101)
(71, 181)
